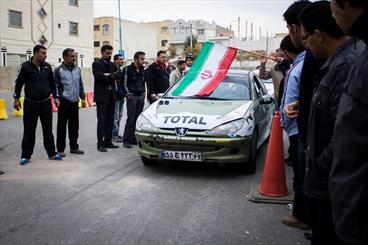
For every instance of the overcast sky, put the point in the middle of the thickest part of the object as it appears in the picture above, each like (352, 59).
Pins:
(264, 13)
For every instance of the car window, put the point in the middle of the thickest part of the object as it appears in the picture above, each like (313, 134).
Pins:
(232, 87)
(260, 86)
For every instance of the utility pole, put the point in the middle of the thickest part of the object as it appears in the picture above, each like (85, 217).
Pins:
(120, 34)
(191, 36)
(239, 28)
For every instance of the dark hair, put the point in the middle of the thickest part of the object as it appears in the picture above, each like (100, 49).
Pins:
(67, 51)
(138, 53)
(189, 57)
(160, 52)
(37, 48)
(116, 56)
(353, 3)
(318, 16)
(180, 62)
(292, 13)
(288, 45)
(106, 47)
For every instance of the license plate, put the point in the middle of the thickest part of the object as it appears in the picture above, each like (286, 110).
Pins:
(182, 155)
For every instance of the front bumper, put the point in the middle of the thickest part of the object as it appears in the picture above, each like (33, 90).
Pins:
(213, 149)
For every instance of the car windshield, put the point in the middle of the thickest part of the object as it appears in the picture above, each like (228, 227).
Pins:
(232, 87)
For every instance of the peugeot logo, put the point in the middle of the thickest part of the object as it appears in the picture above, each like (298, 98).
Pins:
(181, 131)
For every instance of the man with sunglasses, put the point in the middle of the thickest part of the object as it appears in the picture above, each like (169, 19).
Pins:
(326, 40)
(133, 80)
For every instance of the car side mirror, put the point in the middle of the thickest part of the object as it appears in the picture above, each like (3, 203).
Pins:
(266, 99)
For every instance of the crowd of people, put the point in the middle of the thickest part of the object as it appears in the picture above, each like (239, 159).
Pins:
(114, 85)
(321, 89)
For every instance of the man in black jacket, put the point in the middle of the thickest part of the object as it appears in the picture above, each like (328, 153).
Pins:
(36, 75)
(349, 172)
(133, 79)
(105, 72)
(326, 40)
(157, 77)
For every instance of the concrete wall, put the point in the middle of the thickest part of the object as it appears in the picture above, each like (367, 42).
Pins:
(8, 75)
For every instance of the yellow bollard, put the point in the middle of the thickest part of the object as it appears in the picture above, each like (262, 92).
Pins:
(19, 113)
(3, 114)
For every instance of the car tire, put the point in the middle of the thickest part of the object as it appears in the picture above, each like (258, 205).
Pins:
(251, 165)
(149, 162)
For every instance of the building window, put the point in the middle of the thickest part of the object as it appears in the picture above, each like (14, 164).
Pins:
(175, 30)
(96, 44)
(105, 29)
(73, 3)
(105, 43)
(96, 27)
(164, 30)
(200, 31)
(15, 19)
(42, 40)
(163, 43)
(181, 29)
(73, 28)
(59, 25)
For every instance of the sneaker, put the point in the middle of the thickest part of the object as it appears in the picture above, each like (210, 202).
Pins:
(57, 157)
(77, 151)
(291, 220)
(23, 161)
(127, 145)
(61, 153)
(117, 139)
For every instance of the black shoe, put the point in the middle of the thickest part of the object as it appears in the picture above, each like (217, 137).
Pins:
(127, 145)
(308, 236)
(2, 172)
(77, 151)
(111, 145)
(101, 149)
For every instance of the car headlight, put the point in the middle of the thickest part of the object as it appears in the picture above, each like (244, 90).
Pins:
(228, 128)
(143, 124)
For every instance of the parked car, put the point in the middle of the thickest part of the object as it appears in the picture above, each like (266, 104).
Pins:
(227, 126)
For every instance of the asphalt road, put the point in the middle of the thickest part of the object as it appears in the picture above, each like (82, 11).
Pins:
(112, 198)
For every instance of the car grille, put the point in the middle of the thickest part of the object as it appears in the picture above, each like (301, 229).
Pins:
(184, 147)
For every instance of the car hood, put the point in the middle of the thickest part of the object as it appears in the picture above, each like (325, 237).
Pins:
(194, 113)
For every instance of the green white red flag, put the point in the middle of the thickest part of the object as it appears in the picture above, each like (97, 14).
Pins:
(208, 70)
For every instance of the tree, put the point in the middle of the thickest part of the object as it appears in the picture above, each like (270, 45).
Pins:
(187, 42)
(172, 51)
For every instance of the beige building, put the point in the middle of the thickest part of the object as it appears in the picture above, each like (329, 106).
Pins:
(57, 24)
(146, 37)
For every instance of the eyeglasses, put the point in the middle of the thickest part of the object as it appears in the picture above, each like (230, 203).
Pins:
(305, 37)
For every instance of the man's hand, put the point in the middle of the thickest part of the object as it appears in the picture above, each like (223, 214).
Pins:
(57, 102)
(84, 104)
(291, 110)
(17, 104)
(264, 61)
(154, 97)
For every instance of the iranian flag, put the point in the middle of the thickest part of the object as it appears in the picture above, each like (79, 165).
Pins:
(208, 70)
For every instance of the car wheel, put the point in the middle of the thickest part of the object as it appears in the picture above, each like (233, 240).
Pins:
(251, 165)
(148, 162)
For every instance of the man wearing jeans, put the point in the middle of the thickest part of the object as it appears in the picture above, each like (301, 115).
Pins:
(120, 93)
(133, 77)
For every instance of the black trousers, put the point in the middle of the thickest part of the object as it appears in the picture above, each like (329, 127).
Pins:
(31, 112)
(320, 217)
(134, 107)
(298, 161)
(67, 115)
(105, 122)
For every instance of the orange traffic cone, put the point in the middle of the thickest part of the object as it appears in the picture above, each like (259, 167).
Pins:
(274, 181)
(89, 97)
(54, 108)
